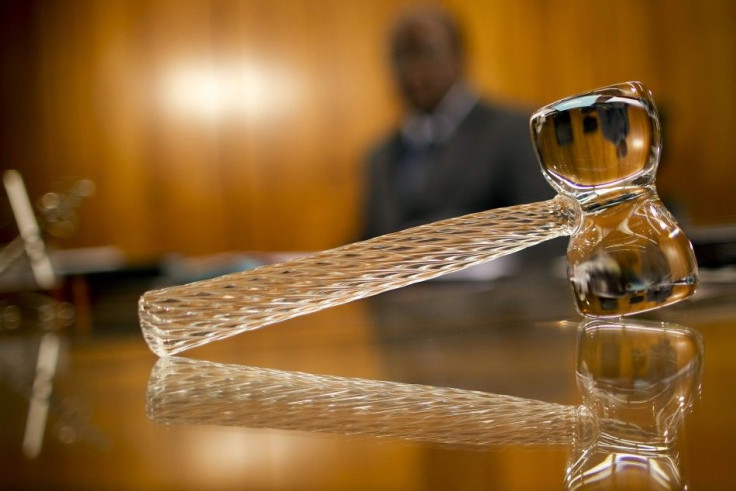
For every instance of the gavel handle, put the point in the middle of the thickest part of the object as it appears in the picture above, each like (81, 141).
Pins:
(182, 317)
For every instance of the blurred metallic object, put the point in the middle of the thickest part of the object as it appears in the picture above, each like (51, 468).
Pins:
(626, 255)
(30, 232)
(57, 217)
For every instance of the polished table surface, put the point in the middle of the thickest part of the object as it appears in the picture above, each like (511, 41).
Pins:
(399, 391)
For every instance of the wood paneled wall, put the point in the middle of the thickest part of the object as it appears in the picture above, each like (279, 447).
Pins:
(213, 125)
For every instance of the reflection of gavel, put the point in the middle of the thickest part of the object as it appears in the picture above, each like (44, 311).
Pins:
(626, 255)
(638, 381)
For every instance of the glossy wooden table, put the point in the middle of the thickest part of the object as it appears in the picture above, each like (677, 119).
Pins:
(514, 336)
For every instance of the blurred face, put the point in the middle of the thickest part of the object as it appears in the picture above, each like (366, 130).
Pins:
(426, 61)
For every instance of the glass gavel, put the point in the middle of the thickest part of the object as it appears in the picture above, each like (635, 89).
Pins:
(626, 254)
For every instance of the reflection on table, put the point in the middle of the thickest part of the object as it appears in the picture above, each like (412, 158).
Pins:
(444, 385)
(638, 382)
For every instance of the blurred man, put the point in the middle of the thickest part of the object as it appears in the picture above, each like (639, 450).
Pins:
(453, 153)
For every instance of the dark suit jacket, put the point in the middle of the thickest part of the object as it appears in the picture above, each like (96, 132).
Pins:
(488, 162)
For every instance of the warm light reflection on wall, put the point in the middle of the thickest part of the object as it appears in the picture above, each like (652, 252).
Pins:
(212, 91)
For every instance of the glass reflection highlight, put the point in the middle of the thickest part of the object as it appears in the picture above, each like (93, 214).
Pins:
(638, 381)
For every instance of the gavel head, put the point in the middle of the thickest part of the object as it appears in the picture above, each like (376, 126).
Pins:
(602, 148)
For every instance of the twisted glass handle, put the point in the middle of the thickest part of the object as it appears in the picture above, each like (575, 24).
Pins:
(182, 317)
